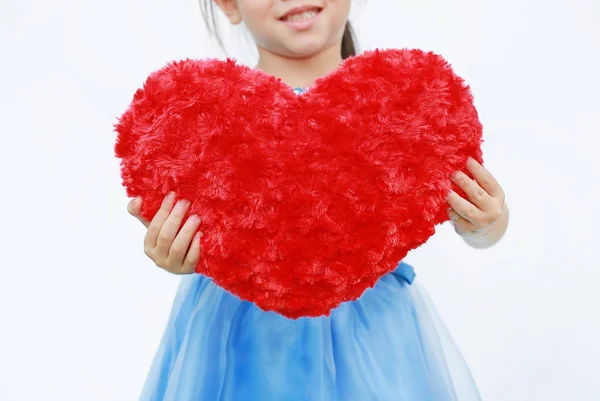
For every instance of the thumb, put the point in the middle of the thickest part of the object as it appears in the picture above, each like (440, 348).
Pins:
(135, 208)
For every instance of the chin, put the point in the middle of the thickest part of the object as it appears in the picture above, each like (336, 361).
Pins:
(306, 48)
(304, 53)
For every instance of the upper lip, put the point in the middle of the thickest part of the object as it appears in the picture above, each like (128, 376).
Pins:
(298, 10)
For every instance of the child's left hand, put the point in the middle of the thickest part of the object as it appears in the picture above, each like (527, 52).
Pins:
(485, 206)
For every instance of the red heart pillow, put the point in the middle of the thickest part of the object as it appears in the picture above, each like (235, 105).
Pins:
(305, 200)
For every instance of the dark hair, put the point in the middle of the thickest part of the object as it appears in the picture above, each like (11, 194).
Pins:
(208, 14)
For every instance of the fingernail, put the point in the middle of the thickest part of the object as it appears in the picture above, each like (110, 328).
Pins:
(171, 196)
(452, 215)
(182, 203)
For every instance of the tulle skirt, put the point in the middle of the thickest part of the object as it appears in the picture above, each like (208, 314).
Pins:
(389, 345)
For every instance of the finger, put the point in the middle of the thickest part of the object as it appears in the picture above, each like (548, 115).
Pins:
(134, 207)
(170, 228)
(485, 179)
(193, 255)
(477, 195)
(181, 243)
(464, 208)
(461, 225)
(158, 220)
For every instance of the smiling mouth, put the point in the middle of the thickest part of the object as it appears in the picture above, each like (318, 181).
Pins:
(302, 16)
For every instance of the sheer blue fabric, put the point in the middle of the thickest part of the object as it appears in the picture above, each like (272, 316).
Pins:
(389, 345)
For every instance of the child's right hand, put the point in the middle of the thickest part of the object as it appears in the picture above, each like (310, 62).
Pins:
(176, 251)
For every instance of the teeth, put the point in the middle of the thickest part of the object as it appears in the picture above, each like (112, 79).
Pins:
(301, 17)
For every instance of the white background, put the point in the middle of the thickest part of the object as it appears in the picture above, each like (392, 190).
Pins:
(82, 309)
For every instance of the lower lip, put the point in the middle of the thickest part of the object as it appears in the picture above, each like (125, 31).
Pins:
(302, 25)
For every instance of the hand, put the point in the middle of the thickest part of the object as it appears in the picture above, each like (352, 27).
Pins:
(176, 251)
(485, 206)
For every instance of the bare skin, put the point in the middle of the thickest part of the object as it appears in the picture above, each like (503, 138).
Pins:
(481, 219)
(172, 249)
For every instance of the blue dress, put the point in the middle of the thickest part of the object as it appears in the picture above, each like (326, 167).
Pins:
(389, 345)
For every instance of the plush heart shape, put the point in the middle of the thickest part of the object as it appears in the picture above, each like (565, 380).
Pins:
(305, 200)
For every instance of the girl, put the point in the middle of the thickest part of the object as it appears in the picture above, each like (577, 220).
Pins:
(387, 345)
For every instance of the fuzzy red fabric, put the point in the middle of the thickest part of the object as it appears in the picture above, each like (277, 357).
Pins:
(305, 200)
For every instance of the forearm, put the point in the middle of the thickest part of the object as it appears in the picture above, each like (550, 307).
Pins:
(491, 235)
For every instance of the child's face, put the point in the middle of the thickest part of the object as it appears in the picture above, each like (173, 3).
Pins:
(263, 18)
